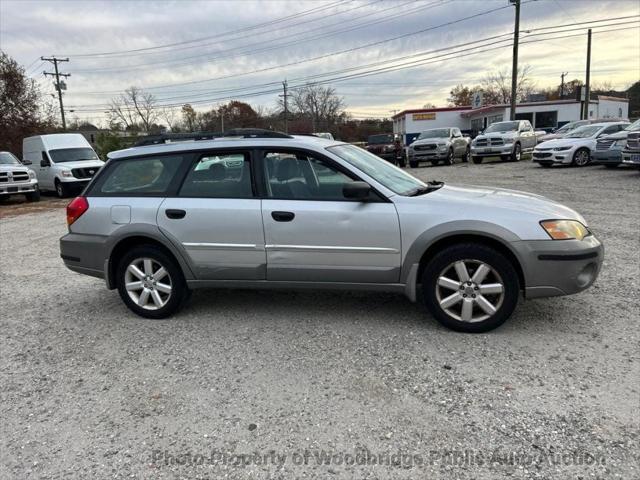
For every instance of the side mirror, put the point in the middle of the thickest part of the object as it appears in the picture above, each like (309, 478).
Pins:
(45, 163)
(356, 190)
(26, 162)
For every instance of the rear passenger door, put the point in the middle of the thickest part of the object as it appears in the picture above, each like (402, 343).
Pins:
(216, 217)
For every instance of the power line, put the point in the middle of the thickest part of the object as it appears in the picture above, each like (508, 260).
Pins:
(187, 61)
(439, 58)
(219, 35)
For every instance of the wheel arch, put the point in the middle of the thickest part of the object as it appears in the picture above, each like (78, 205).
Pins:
(493, 236)
(127, 241)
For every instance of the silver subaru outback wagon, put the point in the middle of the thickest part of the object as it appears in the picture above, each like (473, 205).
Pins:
(261, 209)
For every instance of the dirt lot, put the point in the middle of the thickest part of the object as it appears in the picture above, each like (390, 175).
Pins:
(256, 384)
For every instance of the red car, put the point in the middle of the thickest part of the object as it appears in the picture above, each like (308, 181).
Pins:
(387, 146)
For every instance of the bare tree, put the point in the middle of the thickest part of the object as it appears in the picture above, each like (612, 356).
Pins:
(497, 86)
(170, 117)
(320, 104)
(134, 107)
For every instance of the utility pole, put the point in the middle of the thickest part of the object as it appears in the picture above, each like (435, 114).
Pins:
(286, 112)
(514, 70)
(59, 85)
(564, 74)
(587, 92)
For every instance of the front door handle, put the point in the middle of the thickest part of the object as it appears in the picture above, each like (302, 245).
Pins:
(175, 214)
(283, 216)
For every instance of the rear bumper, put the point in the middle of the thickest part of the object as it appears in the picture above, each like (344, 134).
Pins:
(18, 188)
(84, 253)
(559, 267)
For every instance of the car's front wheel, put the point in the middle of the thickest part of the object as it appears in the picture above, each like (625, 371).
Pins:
(470, 287)
(150, 282)
(516, 155)
(581, 158)
(61, 189)
(467, 155)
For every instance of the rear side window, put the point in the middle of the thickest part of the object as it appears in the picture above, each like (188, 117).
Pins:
(219, 175)
(144, 175)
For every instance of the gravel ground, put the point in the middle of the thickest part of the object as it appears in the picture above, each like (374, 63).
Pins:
(257, 384)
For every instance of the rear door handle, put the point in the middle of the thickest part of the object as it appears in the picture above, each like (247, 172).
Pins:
(283, 216)
(175, 213)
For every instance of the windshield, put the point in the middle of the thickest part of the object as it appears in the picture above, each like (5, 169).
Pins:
(570, 126)
(72, 155)
(502, 127)
(584, 132)
(378, 139)
(435, 133)
(7, 158)
(382, 171)
(634, 126)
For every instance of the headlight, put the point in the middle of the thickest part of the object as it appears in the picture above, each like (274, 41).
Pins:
(32, 174)
(561, 149)
(66, 173)
(565, 229)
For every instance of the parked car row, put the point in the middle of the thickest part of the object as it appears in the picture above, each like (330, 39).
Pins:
(62, 163)
(579, 146)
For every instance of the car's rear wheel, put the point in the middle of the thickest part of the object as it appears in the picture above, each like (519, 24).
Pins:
(476, 160)
(150, 282)
(470, 287)
(581, 157)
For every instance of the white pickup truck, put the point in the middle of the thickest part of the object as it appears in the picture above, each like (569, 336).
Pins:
(507, 140)
(16, 179)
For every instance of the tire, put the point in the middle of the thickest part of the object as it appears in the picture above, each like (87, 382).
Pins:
(33, 196)
(414, 163)
(581, 157)
(477, 160)
(500, 280)
(156, 303)
(467, 155)
(450, 158)
(516, 155)
(61, 190)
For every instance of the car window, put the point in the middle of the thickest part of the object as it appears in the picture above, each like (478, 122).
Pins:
(62, 155)
(299, 176)
(7, 158)
(611, 129)
(141, 175)
(219, 176)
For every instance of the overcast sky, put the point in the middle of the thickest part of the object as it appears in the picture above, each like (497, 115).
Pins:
(211, 50)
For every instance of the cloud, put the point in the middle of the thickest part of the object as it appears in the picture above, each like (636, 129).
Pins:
(233, 46)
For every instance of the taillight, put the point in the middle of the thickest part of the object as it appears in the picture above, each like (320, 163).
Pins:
(76, 208)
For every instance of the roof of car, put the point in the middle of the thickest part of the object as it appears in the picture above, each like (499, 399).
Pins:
(605, 124)
(294, 141)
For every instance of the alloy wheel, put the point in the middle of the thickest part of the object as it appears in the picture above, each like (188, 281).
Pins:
(148, 283)
(469, 290)
(581, 158)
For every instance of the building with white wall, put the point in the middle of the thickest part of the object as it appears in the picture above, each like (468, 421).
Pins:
(542, 115)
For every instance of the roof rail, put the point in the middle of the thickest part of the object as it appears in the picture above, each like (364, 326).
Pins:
(195, 136)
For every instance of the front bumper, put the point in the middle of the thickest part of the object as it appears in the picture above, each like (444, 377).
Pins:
(631, 157)
(427, 155)
(19, 188)
(561, 156)
(492, 151)
(611, 157)
(559, 267)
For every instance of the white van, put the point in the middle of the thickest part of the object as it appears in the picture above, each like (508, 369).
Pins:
(63, 162)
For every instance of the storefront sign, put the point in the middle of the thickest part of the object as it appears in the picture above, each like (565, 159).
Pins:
(424, 116)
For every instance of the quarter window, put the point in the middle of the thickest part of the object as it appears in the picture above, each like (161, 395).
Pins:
(298, 176)
(143, 175)
(219, 175)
